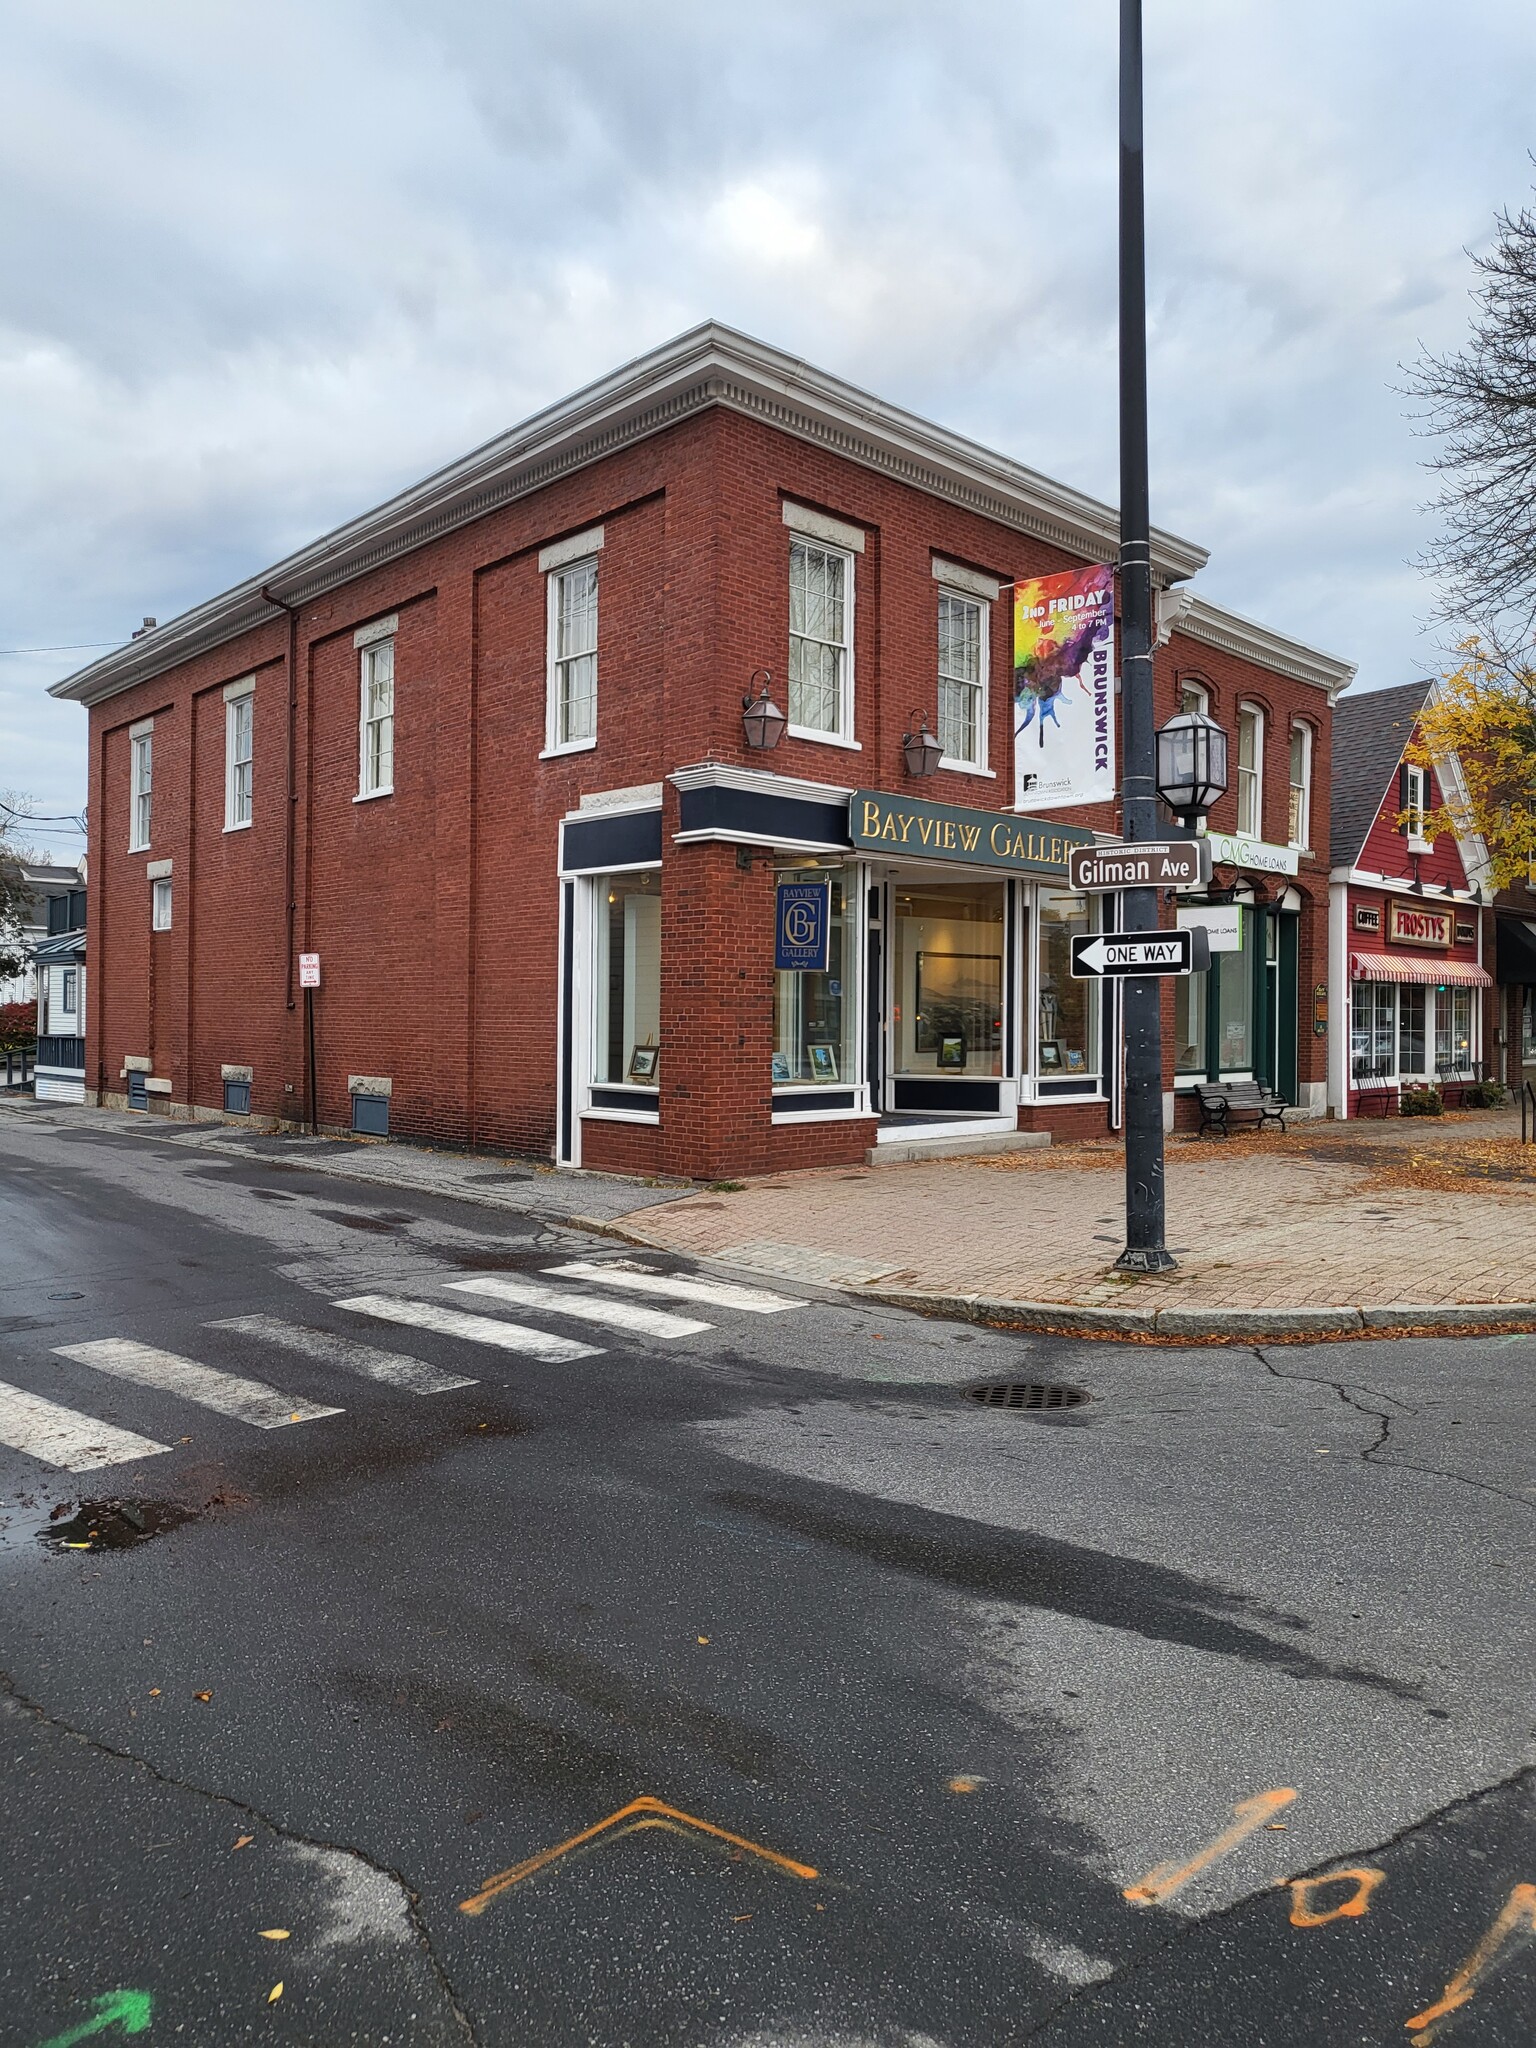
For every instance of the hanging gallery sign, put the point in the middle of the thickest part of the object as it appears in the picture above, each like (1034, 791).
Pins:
(1064, 689)
(803, 938)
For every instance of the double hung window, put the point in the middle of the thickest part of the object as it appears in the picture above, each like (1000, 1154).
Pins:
(1301, 784)
(141, 781)
(1373, 1025)
(1194, 697)
(820, 640)
(573, 655)
(160, 904)
(239, 751)
(1416, 806)
(1250, 771)
(962, 680)
(377, 776)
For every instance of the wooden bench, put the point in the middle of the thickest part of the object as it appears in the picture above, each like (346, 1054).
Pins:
(1242, 1101)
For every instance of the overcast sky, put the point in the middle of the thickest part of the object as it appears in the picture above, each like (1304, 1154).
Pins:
(261, 266)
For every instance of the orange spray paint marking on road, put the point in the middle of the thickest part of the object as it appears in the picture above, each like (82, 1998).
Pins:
(641, 1813)
(1515, 1926)
(1304, 1911)
(1167, 1878)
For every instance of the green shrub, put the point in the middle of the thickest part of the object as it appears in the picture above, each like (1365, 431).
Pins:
(1486, 1095)
(1421, 1102)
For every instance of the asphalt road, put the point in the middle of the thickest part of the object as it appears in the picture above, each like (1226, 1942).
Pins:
(743, 1686)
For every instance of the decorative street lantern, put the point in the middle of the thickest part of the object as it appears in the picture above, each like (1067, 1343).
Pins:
(761, 719)
(1191, 766)
(921, 750)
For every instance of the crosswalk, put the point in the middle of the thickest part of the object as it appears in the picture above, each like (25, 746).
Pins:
(591, 1293)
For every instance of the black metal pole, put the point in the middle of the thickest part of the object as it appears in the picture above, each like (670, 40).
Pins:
(1145, 1251)
(309, 1034)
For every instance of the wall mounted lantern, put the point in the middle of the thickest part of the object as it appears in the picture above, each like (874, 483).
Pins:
(761, 719)
(920, 749)
(1191, 766)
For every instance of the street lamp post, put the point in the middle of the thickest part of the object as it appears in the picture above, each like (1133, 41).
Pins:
(1145, 1228)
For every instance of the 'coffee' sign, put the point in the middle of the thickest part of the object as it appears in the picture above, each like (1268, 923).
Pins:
(1416, 924)
(904, 827)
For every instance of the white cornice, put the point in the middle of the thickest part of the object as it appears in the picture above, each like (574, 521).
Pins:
(1251, 642)
(727, 775)
(711, 366)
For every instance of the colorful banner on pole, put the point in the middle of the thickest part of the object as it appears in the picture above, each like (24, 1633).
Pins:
(1064, 689)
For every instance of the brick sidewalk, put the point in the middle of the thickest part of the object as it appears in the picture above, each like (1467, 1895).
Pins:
(1334, 1216)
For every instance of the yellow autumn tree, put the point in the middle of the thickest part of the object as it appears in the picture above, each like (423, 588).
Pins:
(1484, 712)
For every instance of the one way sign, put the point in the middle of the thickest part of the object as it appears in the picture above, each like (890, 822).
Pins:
(1121, 954)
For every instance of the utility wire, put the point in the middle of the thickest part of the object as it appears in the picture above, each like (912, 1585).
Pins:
(65, 647)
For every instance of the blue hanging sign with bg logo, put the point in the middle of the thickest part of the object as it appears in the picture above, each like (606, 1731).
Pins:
(803, 936)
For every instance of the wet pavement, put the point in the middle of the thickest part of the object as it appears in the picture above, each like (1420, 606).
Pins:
(586, 1663)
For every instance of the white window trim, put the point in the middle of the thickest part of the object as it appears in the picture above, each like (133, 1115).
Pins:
(1300, 725)
(379, 629)
(833, 533)
(160, 891)
(1191, 688)
(139, 737)
(364, 646)
(235, 695)
(1255, 830)
(647, 1109)
(843, 737)
(984, 714)
(554, 746)
(1418, 777)
(561, 553)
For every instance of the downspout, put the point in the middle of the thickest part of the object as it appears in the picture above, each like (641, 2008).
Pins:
(289, 857)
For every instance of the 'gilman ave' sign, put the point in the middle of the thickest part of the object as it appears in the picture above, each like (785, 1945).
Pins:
(901, 826)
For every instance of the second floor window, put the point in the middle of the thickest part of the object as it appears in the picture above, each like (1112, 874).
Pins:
(820, 640)
(377, 776)
(1301, 785)
(1195, 697)
(1416, 805)
(141, 779)
(573, 655)
(160, 904)
(1250, 771)
(239, 764)
(962, 680)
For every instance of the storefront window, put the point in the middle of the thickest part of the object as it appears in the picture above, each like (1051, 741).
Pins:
(1373, 1024)
(813, 1013)
(1527, 1025)
(627, 981)
(1234, 1019)
(1189, 1033)
(947, 977)
(1453, 1027)
(1069, 1010)
(1410, 1030)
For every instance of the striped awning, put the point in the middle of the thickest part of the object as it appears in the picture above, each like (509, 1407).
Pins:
(1437, 973)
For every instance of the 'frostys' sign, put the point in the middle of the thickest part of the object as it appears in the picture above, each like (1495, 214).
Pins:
(903, 827)
(1064, 689)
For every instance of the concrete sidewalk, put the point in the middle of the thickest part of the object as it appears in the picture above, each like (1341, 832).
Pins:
(1329, 1228)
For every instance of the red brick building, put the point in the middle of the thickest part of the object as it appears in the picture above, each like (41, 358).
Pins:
(1410, 930)
(482, 751)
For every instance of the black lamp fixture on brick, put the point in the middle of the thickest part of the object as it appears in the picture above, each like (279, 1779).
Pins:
(761, 719)
(920, 749)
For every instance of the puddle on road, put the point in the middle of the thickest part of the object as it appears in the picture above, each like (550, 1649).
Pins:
(388, 1221)
(113, 1524)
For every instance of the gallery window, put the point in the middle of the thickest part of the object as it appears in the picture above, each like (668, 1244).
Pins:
(627, 980)
(947, 977)
(962, 681)
(820, 640)
(813, 1011)
(1068, 1019)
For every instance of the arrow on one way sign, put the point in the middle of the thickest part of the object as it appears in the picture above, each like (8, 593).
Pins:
(1118, 954)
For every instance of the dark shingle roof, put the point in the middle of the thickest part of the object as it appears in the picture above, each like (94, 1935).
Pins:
(1371, 728)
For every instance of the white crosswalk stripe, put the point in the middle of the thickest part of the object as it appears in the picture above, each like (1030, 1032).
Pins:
(454, 1322)
(389, 1368)
(227, 1393)
(59, 1437)
(630, 1316)
(756, 1301)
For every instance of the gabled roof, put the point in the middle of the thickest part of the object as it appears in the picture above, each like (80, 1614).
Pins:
(1371, 731)
(713, 365)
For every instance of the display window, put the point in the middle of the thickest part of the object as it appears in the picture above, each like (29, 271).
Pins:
(814, 1011)
(1067, 1010)
(627, 1049)
(947, 977)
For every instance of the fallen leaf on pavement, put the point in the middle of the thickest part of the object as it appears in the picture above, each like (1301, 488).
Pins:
(275, 1993)
(702, 1639)
(204, 1696)
(273, 1933)
(154, 1692)
(244, 1842)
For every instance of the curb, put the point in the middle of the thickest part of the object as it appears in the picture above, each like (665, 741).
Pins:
(1168, 1326)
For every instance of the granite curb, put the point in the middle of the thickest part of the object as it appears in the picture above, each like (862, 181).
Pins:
(1170, 1326)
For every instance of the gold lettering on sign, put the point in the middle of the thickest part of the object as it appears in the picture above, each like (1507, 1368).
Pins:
(871, 823)
(1000, 851)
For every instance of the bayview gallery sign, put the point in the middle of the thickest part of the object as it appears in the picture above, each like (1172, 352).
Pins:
(897, 825)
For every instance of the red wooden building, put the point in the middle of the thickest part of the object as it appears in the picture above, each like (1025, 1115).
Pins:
(482, 751)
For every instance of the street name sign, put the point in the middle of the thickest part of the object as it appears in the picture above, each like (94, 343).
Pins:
(1141, 864)
(1116, 955)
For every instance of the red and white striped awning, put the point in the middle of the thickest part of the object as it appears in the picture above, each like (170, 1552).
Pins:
(1438, 973)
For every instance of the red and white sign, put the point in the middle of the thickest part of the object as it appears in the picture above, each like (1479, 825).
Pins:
(309, 970)
(1415, 924)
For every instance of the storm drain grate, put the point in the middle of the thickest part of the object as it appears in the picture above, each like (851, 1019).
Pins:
(1029, 1394)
